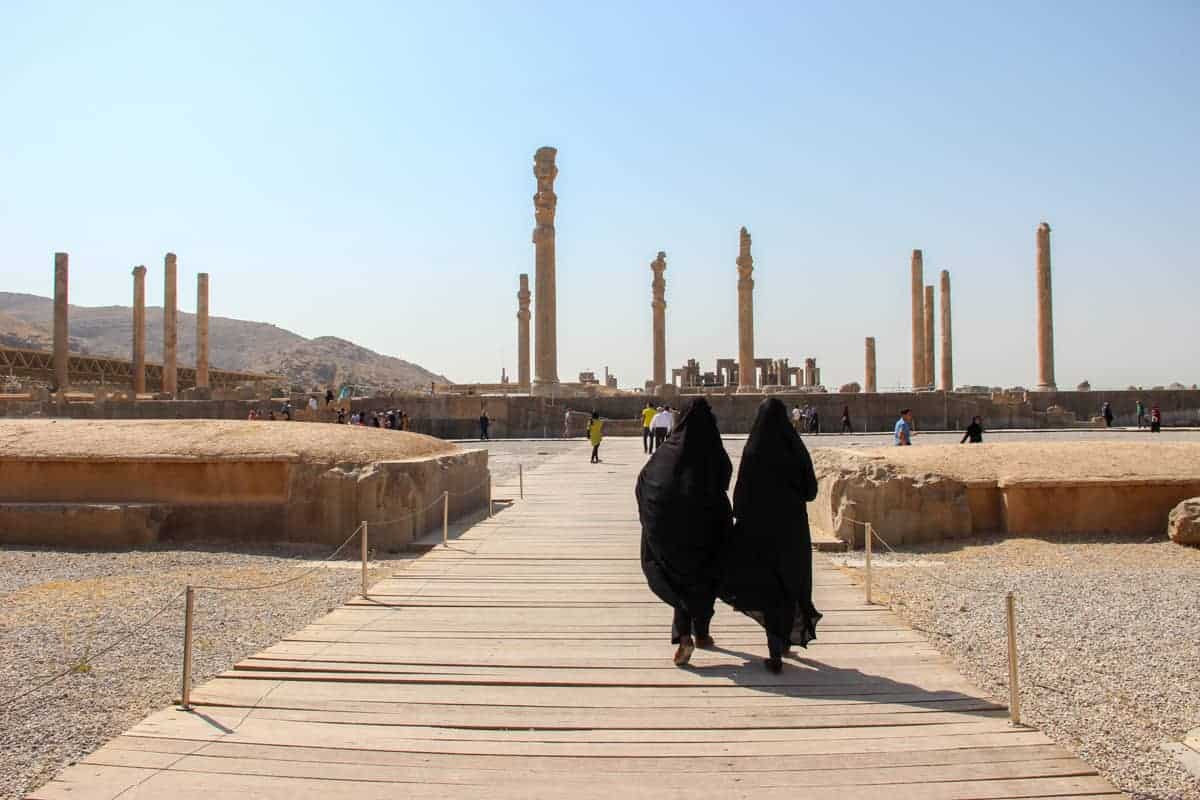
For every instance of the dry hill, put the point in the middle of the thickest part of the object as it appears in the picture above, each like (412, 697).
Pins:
(234, 344)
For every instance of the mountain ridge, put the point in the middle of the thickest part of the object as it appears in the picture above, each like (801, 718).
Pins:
(26, 320)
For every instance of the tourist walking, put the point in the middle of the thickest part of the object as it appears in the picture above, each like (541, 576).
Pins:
(903, 433)
(328, 396)
(1107, 412)
(595, 435)
(566, 424)
(814, 422)
(484, 424)
(846, 426)
(647, 433)
(683, 505)
(1140, 409)
(797, 418)
(660, 426)
(1155, 419)
(974, 432)
(767, 564)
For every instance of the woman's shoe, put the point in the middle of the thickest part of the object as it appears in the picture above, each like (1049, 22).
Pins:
(683, 653)
(774, 664)
(705, 642)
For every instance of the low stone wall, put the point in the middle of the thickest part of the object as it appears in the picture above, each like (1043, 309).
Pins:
(122, 503)
(910, 508)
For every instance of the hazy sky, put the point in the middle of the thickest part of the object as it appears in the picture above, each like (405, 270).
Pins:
(364, 170)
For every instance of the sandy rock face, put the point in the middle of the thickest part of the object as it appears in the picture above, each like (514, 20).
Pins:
(1183, 526)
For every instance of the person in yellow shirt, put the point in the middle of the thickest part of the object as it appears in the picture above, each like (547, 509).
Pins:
(647, 436)
(595, 434)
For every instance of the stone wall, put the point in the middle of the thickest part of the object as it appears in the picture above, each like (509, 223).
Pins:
(121, 503)
(457, 416)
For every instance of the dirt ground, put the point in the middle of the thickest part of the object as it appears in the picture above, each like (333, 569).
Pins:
(202, 438)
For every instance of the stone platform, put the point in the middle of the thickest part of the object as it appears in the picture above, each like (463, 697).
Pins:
(120, 484)
(924, 494)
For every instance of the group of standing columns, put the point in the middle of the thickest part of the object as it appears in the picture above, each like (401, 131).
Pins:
(170, 373)
(924, 358)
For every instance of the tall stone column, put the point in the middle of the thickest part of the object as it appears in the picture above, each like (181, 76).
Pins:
(62, 330)
(1045, 313)
(170, 383)
(930, 380)
(659, 306)
(202, 330)
(745, 266)
(139, 329)
(918, 320)
(523, 333)
(869, 384)
(947, 345)
(545, 202)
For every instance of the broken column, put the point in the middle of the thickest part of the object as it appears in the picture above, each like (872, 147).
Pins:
(202, 330)
(545, 203)
(659, 307)
(929, 365)
(139, 329)
(869, 378)
(810, 372)
(1045, 313)
(523, 333)
(170, 383)
(745, 266)
(947, 384)
(62, 331)
(918, 320)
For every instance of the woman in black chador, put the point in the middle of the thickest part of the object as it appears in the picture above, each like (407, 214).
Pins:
(683, 503)
(767, 564)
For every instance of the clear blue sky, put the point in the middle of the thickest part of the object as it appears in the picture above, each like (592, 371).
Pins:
(364, 170)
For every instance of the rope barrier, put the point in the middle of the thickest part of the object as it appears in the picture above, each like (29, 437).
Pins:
(102, 651)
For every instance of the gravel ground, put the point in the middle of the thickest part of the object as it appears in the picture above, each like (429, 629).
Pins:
(56, 607)
(1109, 640)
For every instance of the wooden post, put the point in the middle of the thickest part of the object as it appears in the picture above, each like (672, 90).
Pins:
(489, 494)
(185, 701)
(1014, 688)
(870, 535)
(445, 518)
(364, 558)
(521, 476)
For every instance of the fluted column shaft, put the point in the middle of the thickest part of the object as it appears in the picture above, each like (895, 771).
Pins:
(1045, 312)
(139, 329)
(947, 383)
(929, 325)
(869, 383)
(658, 306)
(545, 204)
(170, 381)
(918, 320)
(745, 265)
(523, 332)
(202, 330)
(62, 329)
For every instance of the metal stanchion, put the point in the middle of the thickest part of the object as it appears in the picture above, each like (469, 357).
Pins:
(364, 558)
(185, 699)
(445, 518)
(870, 535)
(1014, 688)
(521, 475)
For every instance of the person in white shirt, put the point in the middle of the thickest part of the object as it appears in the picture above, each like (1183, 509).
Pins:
(661, 425)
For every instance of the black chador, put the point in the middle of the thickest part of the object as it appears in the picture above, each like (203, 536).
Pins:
(683, 504)
(767, 563)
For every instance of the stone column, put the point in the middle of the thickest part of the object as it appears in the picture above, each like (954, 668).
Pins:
(139, 329)
(930, 381)
(523, 333)
(918, 320)
(1045, 313)
(202, 330)
(545, 203)
(659, 306)
(947, 346)
(869, 384)
(62, 330)
(745, 266)
(810, 372)
(170, 383)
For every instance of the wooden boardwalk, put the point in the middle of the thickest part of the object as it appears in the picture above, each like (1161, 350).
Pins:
(530, 660)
